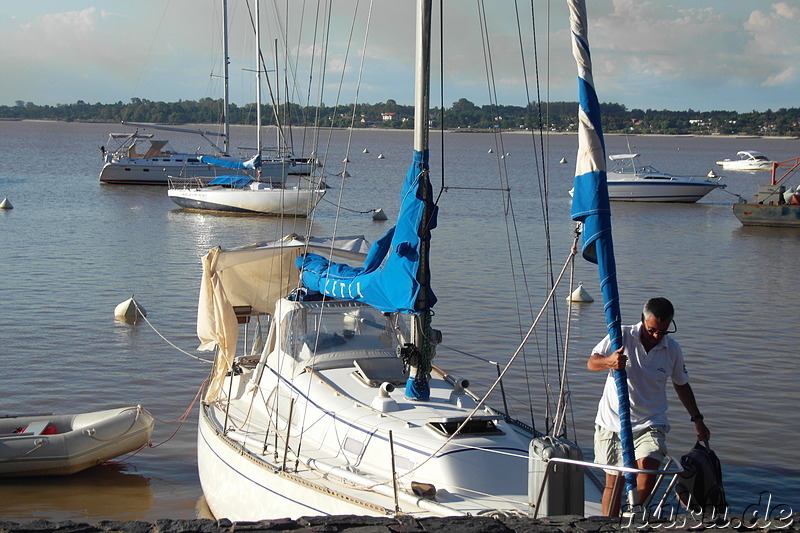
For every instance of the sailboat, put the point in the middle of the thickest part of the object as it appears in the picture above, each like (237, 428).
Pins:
(340, 408)
(247, 194)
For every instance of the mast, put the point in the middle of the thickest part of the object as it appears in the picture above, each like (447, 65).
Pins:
(258, 79)
(226, 100)
(417, 387)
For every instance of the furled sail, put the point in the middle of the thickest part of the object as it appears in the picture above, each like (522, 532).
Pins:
(591, 206)
(253, 162)
(388, 279)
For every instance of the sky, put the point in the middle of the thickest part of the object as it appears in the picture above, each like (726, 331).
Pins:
(704, 55)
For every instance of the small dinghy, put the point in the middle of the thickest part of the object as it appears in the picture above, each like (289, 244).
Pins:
(50, 445)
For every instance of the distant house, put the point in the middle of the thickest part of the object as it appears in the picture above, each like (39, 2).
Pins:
(389, 117)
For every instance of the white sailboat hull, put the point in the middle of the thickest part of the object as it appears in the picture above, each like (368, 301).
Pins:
(344, 462)
(262, 201)
(245, 487)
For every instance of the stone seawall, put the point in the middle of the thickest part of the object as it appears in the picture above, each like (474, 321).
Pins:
(363, 524)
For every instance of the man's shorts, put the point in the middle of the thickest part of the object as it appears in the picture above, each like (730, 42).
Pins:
(648, 442)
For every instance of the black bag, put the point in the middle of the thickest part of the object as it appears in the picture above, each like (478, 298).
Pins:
(699, 487)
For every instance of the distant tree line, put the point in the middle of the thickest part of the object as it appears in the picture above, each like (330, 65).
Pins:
(463, 114)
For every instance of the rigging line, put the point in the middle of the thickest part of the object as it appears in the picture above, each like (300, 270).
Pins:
(476, 188)
(500, 376)
(152, 45)
(355, 102)
(558, 419)
(141, 313)
(262, 67)
(544, 177)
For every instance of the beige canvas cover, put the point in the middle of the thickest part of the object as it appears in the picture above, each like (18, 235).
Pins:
(256, 275)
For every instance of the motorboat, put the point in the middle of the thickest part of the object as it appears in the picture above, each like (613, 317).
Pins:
(631, 182)
(51, 445)
(747, 160)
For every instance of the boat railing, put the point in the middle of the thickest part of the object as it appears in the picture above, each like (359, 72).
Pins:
(183, 182)
(670, 468)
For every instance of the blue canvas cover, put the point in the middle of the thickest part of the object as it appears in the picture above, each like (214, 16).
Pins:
(591, 206)
(388, 279)
(254, 162)
(235, 182)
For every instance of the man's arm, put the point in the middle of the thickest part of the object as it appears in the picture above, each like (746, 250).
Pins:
(686, 396)
(615, 361)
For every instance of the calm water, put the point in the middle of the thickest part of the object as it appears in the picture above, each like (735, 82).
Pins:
(73, 249)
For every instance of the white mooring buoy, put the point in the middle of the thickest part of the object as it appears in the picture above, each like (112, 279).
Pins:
(378, 214)
(563, 160)
(366, 151)
(380, 156)
(580, 295)
(5, 204)
(129, 310)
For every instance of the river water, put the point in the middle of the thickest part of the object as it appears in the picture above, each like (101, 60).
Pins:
(72, 249)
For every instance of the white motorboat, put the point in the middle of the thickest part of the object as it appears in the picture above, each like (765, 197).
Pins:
(339, 408)
(49, 445)
(747, 160)
(632, 182)
(242, 194)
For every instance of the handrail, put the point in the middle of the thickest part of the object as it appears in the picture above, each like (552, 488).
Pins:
(794, 163)
(614, 467)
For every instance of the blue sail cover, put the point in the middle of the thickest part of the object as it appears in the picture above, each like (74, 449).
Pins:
(591, 206)
(388, 279)
(235, 182)
(253, 162)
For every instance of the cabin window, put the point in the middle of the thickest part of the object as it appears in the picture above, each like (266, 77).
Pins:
(476, 426)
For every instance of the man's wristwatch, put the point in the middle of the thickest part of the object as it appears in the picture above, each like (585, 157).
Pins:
(696, 418)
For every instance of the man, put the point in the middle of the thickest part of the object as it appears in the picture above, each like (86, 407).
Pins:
(650, 357)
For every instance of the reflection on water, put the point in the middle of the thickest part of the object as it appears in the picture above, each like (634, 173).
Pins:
(102, 492)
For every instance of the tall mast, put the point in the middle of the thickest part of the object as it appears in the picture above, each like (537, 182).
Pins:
(258, 79)
(417, 387)
(422, 75)
(226, 60)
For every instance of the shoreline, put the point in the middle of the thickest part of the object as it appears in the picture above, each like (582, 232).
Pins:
(409, 130)
(776, 521)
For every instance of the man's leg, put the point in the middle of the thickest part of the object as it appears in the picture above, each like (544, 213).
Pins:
(645, 482)
(611, 494)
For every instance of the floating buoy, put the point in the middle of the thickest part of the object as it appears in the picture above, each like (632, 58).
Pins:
(378, 214)
(580, 295)
(345, 174)
(366, 151)
(129, 310)
(345, 160)
(490, 151)
(380, 156)
(5, 204)
(563, 160)
(712, 174)
(508, 154)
